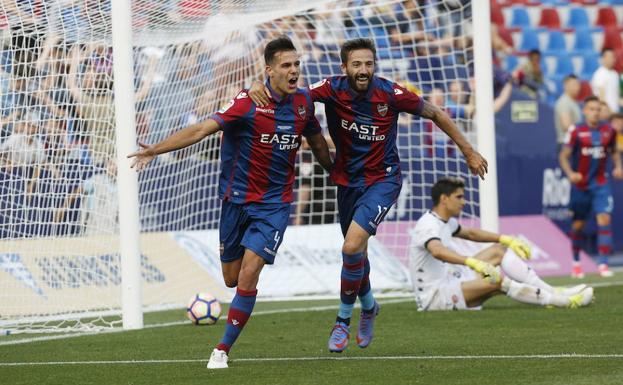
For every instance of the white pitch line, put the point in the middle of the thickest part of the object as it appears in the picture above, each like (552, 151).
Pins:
(178, 323)
(327, 358)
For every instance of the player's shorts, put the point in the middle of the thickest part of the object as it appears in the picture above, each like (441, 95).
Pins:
(597, 199)
(258, 227)
(447, 293)
(367, 206)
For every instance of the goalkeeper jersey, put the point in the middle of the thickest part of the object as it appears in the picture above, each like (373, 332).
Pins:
(428, 272)
(364, 127)
(259, 146)
(590, 148)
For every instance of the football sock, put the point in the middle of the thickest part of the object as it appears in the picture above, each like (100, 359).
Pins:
(238, 315)
(352, 273)
(526, 293)
(365, 293)
(604, 243)
(519, 271)
(576, 243)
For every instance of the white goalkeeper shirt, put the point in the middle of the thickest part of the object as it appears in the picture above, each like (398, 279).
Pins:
(427, 272)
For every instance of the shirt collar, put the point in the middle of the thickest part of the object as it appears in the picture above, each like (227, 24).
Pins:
(276, 97)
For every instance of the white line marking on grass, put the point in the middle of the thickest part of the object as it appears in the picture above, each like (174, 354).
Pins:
(328, 358)
(178, 323)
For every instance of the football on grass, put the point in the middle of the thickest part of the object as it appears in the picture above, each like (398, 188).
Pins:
(203, 309)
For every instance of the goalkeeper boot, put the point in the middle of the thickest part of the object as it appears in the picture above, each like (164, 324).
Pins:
(218, 359)
(338, 341)
(365, 332)
(569, 291)
(576, 271)
(584, 298)
(604, 271)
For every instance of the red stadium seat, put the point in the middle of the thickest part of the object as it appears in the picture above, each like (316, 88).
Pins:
(549, 18)
(585, 90)
(612, 38)
(497, 16)
(606, 17)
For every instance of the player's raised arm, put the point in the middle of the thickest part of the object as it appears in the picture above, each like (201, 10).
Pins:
(476, 163)
(183, 138)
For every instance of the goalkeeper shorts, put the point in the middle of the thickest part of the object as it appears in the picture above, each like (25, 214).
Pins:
(447, 293)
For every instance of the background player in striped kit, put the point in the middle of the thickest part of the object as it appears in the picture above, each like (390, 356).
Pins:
(257, 172)
(362, 113)
(589, 144)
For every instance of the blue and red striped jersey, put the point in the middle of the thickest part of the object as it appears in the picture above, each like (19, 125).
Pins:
(364, 127)
(259, 146)
(590, 148)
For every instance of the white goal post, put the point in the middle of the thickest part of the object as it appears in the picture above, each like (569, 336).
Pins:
(87, 244)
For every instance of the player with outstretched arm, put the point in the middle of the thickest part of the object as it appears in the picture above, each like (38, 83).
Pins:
(258, 153)
(362, 113)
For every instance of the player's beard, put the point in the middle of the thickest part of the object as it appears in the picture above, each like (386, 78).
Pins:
(358, 86)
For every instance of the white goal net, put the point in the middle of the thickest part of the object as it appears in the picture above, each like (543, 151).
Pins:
(59, 258)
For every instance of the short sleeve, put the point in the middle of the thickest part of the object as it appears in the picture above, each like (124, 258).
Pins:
(313, 126)
(235, 110)
(571, 137)
(321, 91)
(406, 101)
(424, 233)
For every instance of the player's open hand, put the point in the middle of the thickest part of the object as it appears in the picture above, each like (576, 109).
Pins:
(477, 164)
(260, 94)
(142, 157)
(521, 248)
(617, 172)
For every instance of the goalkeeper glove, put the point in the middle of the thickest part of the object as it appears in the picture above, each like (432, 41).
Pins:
(488, 271)
(520, 248)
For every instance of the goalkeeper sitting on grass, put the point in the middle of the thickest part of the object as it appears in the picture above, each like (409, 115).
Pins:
(444, 279)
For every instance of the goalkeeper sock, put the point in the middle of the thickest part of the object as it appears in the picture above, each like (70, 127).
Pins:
(352, 273)
(526, 293)
(239, 312)
(519, 271)
(365, 293)
(604, 243)
(576, 243)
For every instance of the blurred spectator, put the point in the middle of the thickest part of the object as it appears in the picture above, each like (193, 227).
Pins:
(23, 151)
(530, 75)
(28, 25)
(456, 101)
(605, 81)
(90, 84)
(567, 110)
(99, 203)
(329, 26)
(616, 121)
(502, 90)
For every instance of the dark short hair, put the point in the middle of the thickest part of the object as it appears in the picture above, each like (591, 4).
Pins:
(534, 52)
(616, 115)
(445, 186)
(569, 77)
(355, 44)
(280, 44)
(591, 98)
(603, 51)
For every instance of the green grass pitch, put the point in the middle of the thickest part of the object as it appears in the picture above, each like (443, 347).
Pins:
(507, 343)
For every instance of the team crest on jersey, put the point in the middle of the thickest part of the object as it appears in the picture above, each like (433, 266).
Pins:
(301, 110)
(382, 109)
